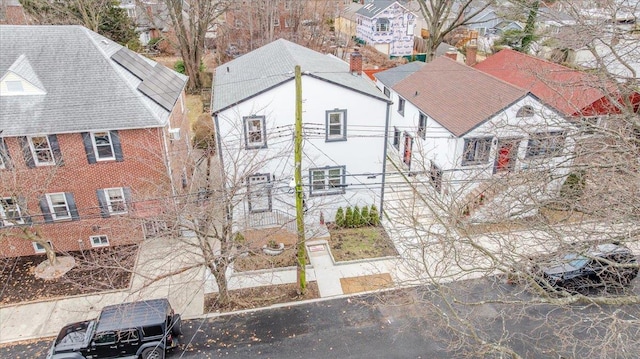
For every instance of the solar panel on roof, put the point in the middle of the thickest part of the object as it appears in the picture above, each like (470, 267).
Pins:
(158, 83)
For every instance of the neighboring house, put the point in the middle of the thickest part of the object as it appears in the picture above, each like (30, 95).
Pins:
(485, 22)
(12, 13)
(150, 17)
(92, 134)
(579, 96)
(346, 23)
(344, 119)
(472, 135)
(388, 26)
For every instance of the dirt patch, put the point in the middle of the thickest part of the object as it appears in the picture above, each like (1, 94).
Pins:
(366, 283)
(545, 216)
(360, 243)
(258, 297)
(96, 270)
(257, 260)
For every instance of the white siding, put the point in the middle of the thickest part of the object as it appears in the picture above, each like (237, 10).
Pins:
(362, 153)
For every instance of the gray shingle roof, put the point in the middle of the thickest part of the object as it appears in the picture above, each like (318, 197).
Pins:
(85, 89)
(457, 96)
(273, 64)
(396, 74)
(374, 8)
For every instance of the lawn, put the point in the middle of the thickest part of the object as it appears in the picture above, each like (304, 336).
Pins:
(360, 243)
(258, 260)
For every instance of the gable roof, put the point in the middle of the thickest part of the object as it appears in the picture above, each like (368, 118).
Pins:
(396, 74)
(273, 64)
(567, 90)
(86, 90)
(457, 96)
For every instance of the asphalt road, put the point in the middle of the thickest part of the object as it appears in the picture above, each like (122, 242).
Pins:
(403, 324)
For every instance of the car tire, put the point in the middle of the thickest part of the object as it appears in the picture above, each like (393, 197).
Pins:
(176, 325)
(153, 353)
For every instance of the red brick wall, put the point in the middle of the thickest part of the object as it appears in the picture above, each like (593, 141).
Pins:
(143, 170)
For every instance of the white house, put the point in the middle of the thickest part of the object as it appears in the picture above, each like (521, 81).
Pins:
(344, 119)
(475, 138)
(388, 26)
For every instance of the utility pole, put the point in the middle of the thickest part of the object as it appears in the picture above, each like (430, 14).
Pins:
(300, 244)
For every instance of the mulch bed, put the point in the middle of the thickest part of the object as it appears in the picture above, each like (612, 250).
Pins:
(258, 297)
(96, 270)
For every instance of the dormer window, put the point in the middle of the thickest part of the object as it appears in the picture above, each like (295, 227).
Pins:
(14, 86)
(382, 25)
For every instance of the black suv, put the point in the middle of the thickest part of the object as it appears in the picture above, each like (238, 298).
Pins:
(143, 329)
(600, 265)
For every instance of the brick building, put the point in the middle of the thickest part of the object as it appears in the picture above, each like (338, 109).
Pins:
(92, 137)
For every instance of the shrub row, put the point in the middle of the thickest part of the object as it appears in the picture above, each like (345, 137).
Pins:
(356, 217)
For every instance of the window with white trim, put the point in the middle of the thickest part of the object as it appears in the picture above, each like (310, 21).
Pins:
(336, 125)
(41, 150)
(476, 150)
(4, 154)
(116, 202)
(422, 126)
(545, 144)
(276, 20)
(39, 248)
(382, 25)
(435, 177)
(328, 180)
(99, 241)
(386, 91)
(238, 24)
(103, 146)
(254, 132)
(259, 190)
(58, 206)
(10, 213)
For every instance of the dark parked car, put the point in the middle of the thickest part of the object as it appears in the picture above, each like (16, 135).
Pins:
(600, 265)
(143, 329)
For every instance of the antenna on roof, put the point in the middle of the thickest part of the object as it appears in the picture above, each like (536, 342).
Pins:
(227, 68)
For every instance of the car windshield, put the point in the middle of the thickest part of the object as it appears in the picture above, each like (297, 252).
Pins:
(575, 260)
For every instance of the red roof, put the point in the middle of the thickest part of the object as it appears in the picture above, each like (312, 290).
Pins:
(457, 96)
(569, 91)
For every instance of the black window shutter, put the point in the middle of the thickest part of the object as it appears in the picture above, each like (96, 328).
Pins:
(46, 212)
(22, 203)
(127, 197)
(55, 148)
(73, 209)
(117, 148)
(4, 152)
(26, 151)
(88, 147)
(102, 201)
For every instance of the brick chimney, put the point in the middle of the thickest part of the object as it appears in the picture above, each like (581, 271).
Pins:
(452, 54)
(355, 63)
(472, 51)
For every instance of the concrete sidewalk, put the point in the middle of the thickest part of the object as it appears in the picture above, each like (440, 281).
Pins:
(186, 291)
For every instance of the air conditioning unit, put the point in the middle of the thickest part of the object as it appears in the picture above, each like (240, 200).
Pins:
(174, 134)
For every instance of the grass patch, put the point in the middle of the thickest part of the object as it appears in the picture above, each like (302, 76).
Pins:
(194, 104)
(258, 297)
(360, 243)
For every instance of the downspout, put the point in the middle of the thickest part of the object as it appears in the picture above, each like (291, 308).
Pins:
(384, 161)
(168, 157)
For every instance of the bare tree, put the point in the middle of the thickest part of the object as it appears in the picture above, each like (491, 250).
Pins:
(444, 16)
(191, 20)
